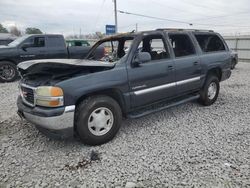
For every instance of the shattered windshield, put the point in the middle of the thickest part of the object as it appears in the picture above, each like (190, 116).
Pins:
(111, 50)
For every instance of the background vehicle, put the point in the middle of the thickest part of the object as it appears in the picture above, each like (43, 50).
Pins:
(77, 42)
(6, 38)
(42, 46)
(140, 73)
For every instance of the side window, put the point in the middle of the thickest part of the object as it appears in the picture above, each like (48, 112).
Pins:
(182, 45)
(210, 43)
(39, 42)
(29, 40)
(56, 42)
(78, 43)
(127, 45)
(155, 46)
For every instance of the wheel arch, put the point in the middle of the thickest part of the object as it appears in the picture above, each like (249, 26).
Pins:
(217, 71)
(115, 94)
(9, 60)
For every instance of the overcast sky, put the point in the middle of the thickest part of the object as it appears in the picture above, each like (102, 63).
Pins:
(69, 16)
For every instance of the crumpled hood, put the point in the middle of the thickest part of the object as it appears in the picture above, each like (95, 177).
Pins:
(49, 71)
(33, 64)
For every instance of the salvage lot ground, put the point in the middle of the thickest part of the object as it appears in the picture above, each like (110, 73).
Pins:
(184, 146)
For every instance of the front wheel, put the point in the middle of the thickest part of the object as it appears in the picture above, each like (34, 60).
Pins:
(8, 71)
(98, 119)
(210, 91)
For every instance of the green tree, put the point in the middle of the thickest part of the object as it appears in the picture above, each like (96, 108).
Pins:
(3, 29)
(33, 30)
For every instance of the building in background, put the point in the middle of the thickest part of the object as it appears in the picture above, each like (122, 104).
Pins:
(240, 44)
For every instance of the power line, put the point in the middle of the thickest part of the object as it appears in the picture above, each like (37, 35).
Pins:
(178, 21)
(222, 16)
(174, 8)
(152, 17)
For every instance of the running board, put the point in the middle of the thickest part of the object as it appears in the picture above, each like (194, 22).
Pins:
(161, 106)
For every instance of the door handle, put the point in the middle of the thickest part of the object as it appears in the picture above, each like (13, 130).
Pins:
(170, 67)
(195, 63)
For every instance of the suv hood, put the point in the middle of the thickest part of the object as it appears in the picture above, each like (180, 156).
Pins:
(62, 63)
(50, 71)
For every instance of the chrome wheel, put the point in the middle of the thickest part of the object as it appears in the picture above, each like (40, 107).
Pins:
(100, 121)
(7, 72)
(212, 90)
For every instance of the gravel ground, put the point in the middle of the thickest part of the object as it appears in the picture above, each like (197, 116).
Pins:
(185, 146)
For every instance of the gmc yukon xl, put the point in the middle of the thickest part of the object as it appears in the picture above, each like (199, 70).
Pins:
(140, 73)
(41, 46)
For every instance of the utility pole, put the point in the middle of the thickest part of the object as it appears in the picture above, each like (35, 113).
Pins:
(116, 24)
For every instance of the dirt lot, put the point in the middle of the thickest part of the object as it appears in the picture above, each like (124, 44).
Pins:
(185, 146)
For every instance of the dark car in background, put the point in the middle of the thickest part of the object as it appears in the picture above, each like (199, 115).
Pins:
(40, 46)
(6, 38)
(77, 42)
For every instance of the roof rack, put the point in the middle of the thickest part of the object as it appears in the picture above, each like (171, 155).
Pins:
(179, 29)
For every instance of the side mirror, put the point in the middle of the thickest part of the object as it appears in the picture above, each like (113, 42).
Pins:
(26, 45)
(142, 57)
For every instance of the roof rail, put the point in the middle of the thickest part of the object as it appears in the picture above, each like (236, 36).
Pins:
(180, 29)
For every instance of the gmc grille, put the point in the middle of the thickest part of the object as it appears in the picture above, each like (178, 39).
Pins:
(28, 95)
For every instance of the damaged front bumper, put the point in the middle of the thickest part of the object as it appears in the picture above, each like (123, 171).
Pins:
(54, 122)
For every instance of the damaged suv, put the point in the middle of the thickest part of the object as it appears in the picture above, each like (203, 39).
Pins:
(138, 74)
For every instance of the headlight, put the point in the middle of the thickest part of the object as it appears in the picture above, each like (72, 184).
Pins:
(49, 96)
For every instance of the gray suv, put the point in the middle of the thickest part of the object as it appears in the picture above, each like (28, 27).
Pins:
(139, 73)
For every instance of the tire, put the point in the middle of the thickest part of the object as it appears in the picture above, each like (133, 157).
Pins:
(97, 119)
(210, 91)
(8, 71)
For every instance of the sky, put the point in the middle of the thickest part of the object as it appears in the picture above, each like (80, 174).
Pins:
(88, 16)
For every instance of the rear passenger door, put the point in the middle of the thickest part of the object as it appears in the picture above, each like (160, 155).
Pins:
(187, 63)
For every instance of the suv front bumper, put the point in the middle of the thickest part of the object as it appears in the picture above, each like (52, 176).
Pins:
(54, 122)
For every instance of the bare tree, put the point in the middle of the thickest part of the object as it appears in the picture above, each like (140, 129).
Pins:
(15, 31)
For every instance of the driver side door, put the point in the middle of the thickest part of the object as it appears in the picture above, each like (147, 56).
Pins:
(37, 49)
(153, 80)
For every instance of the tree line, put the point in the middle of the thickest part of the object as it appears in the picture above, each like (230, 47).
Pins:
(17, 32)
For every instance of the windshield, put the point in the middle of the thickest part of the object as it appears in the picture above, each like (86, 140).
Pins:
(111, 50)
(18, 41)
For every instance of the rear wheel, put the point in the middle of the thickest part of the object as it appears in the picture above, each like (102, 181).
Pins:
(8, 71)
(98, 119)
(210, 90)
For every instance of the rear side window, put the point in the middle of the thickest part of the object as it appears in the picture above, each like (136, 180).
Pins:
(55, 42)
(210, 43)
(182, 45)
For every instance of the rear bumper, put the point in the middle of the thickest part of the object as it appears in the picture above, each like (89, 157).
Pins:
(51, 121)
